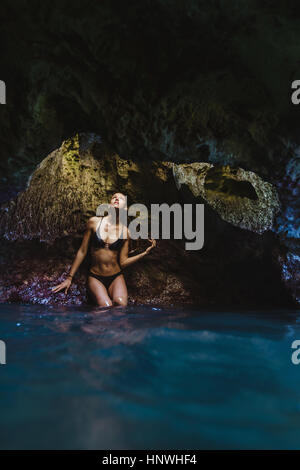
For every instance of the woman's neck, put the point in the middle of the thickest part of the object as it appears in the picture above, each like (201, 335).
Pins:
(111, 219)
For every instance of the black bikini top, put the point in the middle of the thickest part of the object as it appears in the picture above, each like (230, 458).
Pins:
(99, 243)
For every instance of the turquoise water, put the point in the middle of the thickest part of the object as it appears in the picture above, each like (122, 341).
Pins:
(138, 377)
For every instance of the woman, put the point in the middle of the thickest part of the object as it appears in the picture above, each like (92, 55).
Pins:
(109, 255)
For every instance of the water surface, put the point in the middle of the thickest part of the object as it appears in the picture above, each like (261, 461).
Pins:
(148, 378)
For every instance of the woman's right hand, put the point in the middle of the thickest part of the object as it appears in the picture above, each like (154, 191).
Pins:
(63, 285)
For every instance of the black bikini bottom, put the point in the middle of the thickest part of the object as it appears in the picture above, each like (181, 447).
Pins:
(106, 280)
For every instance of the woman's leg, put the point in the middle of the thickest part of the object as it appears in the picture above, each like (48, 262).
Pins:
(118, 291)
(99, 292)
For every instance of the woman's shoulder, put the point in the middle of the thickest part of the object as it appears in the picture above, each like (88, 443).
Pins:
(93, 221)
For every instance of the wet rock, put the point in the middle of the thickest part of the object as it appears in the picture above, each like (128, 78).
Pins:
(287, 222)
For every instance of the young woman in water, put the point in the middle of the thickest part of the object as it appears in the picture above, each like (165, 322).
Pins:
(109, 256)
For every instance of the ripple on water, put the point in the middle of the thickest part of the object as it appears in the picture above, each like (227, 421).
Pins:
(148, 377)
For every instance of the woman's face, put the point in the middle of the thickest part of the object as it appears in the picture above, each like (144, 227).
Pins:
(118, 201)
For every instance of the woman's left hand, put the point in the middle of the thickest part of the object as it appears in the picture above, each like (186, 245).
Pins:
(153, 244)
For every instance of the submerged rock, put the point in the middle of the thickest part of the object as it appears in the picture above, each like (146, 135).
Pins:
(42, 226)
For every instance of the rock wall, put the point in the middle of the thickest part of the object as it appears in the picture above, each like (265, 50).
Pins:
(194, 82)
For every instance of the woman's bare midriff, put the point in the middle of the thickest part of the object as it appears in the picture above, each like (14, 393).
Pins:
(104, 262)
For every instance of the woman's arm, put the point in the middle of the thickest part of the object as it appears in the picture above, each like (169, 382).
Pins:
(125, 261)
(80, 255)
(82, 251)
